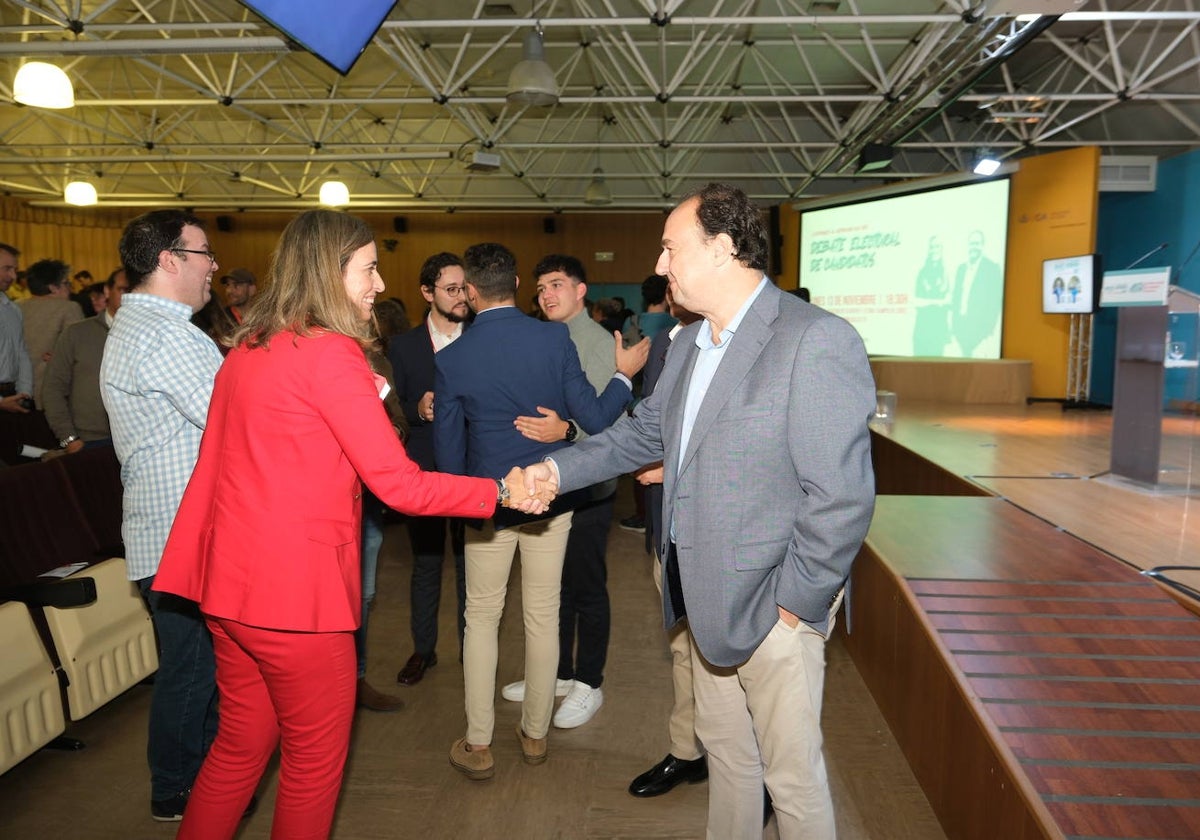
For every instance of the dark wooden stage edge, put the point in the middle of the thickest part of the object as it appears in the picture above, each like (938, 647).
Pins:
(1038, 688)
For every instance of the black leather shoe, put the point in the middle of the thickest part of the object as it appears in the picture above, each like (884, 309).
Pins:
(667, 773)
(414, 669)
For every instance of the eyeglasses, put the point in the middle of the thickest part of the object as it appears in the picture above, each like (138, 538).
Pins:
(453, 291)
(212, 255)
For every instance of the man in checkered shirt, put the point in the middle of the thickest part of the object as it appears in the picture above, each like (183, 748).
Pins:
(156, 380)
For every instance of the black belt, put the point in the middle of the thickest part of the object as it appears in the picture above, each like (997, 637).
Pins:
(7, 389)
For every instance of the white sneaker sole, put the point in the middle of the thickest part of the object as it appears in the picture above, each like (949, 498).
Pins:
(561, 689)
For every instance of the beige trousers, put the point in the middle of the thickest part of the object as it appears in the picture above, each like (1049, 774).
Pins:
(489, 555)
(761, 723)
(681, 726)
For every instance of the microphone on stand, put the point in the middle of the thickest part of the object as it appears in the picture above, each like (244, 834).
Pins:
(1146, 256)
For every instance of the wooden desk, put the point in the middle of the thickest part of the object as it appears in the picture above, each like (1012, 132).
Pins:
(972, 381)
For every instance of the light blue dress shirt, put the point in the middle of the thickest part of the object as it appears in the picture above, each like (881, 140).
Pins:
(14, 359)
(156, 381)
(707, 362)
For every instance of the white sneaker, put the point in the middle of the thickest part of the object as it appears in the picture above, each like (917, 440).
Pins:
(516, 691)
(582, 702)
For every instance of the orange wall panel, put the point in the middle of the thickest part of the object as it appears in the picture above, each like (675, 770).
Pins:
(1052, 213)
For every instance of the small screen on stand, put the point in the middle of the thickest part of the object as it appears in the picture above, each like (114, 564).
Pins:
(1069, 284)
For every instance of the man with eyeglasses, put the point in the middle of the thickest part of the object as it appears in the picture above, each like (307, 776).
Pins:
(411, 354)
(156, 380)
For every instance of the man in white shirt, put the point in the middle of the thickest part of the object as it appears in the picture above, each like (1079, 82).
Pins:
(443, 285)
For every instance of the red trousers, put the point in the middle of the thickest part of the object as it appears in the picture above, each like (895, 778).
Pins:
(294, 690)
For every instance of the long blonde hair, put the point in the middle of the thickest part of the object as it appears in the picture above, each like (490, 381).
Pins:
(304, 290)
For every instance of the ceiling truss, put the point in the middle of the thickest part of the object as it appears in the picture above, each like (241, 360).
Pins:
(202, 104)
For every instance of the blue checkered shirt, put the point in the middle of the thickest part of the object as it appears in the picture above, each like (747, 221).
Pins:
(156, 380)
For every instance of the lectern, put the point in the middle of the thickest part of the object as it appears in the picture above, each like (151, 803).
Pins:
(1145, 349)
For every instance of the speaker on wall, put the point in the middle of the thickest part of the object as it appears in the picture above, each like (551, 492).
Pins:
(400, 224)
(548, 225)
(225, 223)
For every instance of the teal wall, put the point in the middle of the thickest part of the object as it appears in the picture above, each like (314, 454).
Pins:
(1129, 225)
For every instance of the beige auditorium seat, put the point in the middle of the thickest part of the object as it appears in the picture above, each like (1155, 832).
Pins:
(107, 646)
(31, 711)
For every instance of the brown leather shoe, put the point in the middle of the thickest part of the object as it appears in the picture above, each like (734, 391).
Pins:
(414, 669)
(473, 762)
(533, 749)
(371, 698)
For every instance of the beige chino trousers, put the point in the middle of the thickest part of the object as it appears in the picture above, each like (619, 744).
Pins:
(489, 555)
(761, 724)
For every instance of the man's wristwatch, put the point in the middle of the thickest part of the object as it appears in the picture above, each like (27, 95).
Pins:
(502, 494)
(67, 441)
(572, 432)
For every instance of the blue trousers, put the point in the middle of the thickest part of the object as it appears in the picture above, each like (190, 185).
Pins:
(183, 710)
(372, 540)
(427, 534)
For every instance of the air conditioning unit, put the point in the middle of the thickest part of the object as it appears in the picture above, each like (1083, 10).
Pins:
(481, 161)
(1128, 173)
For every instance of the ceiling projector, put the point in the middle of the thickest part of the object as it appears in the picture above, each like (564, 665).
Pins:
(480, 161)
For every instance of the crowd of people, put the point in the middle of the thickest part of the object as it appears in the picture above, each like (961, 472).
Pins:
(262, 440)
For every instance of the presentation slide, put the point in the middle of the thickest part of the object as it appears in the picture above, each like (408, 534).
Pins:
(920, 274)
(1068, 284)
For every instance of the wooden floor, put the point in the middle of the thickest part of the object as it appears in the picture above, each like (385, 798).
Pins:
(399, 782)
(1054, 463)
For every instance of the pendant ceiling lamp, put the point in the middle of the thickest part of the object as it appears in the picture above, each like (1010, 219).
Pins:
(334, 194)
(597, 192)
(43, 85)
(80, 193)
(532, 81)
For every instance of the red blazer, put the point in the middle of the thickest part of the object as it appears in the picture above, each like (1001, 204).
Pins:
(267, 533)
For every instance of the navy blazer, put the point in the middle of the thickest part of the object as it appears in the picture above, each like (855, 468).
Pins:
(411, 355)
(503, 368)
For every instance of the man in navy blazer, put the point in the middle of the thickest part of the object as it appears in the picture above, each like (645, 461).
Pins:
(443, 285)
(760, 418)
(505, 367)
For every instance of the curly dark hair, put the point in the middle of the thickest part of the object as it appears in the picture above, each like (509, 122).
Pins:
(726, 209)
(431, 269)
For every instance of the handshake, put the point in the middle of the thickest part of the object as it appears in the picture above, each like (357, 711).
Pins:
(531, 490)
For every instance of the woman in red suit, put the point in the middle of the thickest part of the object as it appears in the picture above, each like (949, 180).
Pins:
(267, 535)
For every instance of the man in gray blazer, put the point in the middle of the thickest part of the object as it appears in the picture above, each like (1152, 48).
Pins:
(760, 418)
